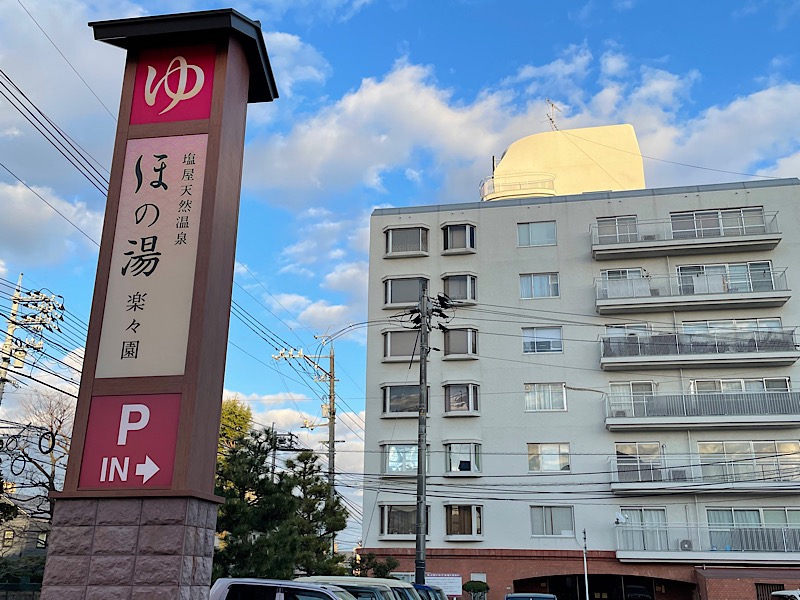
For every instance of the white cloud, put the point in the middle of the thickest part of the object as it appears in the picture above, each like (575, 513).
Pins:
(257, 402)
(324, 316)
(613, 64)
(295, 61)
(3, 268)
(34, 233)
(347, 277)
(288, 302)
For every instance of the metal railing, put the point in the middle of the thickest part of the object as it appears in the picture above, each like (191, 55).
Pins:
(516, 183)
(710, 404)
(690, 285)
(626, 232)
(688, 537)
(676, 469)
(671, 344)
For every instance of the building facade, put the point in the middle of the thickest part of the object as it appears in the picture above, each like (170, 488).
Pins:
(620, 363)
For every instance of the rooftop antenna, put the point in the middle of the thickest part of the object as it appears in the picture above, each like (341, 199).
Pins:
(551, 113)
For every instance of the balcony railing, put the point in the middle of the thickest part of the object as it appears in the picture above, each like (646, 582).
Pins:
(671, 344)
(688, 537)
(703, 404)
(675, 471)
(691, 285)
(657, 230)
(517, 184)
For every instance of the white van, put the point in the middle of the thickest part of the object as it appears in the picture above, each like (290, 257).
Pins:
(786, 595)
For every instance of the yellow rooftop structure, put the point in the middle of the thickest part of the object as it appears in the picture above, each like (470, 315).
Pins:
(570, 161)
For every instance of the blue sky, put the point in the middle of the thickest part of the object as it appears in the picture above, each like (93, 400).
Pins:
(385, 103)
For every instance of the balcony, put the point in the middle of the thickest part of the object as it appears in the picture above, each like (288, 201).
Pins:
(768, 348)
(770, 409)
(690, 292)
(705, 474)
(666, 237)
(703, 544)
(515, 185)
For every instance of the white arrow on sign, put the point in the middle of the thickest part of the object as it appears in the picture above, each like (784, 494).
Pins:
(147, 469)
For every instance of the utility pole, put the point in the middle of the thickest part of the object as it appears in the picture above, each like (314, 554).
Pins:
(46, 313)
(328, 410)
(422, 433)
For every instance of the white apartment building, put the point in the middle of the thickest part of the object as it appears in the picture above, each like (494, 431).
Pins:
(623, 363)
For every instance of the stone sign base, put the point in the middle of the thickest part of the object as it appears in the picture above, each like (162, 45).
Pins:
(130, 549)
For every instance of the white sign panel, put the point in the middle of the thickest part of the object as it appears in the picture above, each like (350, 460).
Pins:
(150, 285)
(451, 584)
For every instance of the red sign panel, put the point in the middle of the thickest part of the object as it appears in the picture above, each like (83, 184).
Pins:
(130, 442)
(173, 84)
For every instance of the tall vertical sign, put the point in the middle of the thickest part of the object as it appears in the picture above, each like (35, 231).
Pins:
(147, 418)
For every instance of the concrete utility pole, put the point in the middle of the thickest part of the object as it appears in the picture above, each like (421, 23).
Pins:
(328, 410)
(43, 312)
(422, 434)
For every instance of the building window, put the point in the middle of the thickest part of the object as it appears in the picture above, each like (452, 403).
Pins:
(401, 519)
(41, 540)
(460, 397)
(750, 461)
(617, 230)
(402, 291)
(463, 520)
(401, 399)
(732, 278)
(621, 274)
(732, 326)
(406, 240)
(8, 538)
(623, 330)
(552, 520)
(643, 528)
(764, 590)
(460, 342)
(401, 344)
(400, 459)
(737, 386)
(459, 237)
(536, 234)
(631, 398)
(461, 287)
(541, 339)
(548, 457)
(538, 285)
(638, 462)
(718, 223)
(545, 396)
(462, 457)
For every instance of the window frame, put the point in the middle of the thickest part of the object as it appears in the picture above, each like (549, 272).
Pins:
(474, 450)
(618, 223)
(471, 287)
(408, 446)
(469, 238)
(561, 446)
(544, 509)
(424, 241)
(536, 341)
(390, 282)
(531, 391)
(554, 241)
(475, 522)
(386, 390)
(387, 346)
(471, 343)
(472, 397)
(553, 286)
(384, 515)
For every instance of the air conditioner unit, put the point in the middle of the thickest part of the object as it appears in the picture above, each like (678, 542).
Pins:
(677, 474)
(648, 238)
(620, 413)
(686, 545)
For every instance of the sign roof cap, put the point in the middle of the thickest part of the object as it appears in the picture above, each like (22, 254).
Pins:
(191, 28)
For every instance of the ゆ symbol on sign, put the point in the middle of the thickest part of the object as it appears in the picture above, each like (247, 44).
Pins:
(176, 65)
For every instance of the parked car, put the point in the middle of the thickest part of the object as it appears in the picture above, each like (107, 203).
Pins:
(251, 588)
(786, 595)
(530, 596)
(400, 590)
(637, 592)
(430, 592)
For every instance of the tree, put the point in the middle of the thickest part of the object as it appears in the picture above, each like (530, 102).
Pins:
(476, 589)
(257, 531)
(370, 566)
(38, 453)
(234, 424)
(319, 516)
